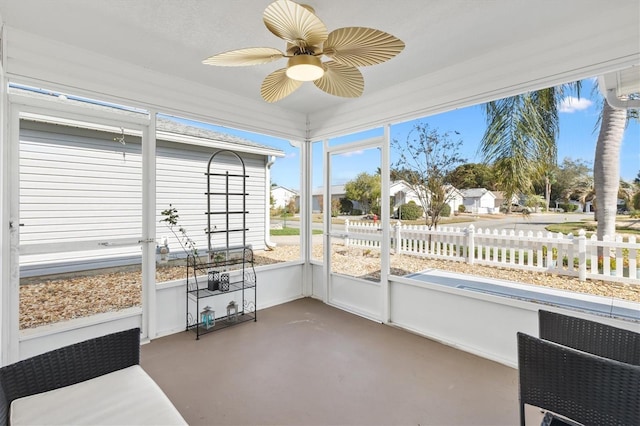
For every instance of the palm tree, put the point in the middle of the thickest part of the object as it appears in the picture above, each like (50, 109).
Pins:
(520, 139)
(582, 191)
(606, 167)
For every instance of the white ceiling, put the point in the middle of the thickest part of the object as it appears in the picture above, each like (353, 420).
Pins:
(458, 52)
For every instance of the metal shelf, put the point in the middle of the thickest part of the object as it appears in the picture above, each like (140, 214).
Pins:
(232, 264)
(222, 323)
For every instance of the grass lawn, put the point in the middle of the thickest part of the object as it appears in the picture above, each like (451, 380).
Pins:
(292, 231)
(622, 227)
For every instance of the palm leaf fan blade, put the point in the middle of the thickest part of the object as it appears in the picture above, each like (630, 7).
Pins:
(360, 46)
(277, 86)
(243, 57)
(341, 80)
(294, 23)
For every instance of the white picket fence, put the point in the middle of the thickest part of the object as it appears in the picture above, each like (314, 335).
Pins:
(540, 251)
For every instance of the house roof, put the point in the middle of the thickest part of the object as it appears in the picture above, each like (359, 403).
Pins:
(335, 190)
(458, 53)
(293, 191)
(476, 193)
(167, 128)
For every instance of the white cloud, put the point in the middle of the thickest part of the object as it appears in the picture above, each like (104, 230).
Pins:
(571, 104)
(352, 153)
(290, 155)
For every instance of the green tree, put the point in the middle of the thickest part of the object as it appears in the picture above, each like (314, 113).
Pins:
(582, 191)
(425, 163)
(410, 211)
(574, 181)
(346, 205)
(520, 139)
(626, 192)
(365, 189)
(635, 199)
(335, 207)
(473, 175)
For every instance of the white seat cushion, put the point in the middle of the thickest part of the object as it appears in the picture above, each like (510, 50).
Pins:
(124, 397)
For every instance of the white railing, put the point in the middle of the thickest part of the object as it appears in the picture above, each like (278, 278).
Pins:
(611, 260)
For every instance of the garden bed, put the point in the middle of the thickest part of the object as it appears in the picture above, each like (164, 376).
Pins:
(53, 300)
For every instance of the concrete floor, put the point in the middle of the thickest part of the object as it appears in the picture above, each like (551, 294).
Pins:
(306, 363)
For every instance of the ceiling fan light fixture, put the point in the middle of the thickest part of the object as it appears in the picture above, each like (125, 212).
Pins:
(304, 68)
(308, 42)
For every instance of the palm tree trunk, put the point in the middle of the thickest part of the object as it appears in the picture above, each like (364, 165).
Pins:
(606, 169)
(547, 191)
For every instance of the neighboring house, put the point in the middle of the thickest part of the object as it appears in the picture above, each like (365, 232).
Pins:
(454, 198)
(81, 191)
(401, 193)
(479, 200)
(501, 200)
(337, 192)
(282, 196)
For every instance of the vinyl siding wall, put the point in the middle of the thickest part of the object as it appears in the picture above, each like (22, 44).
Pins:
(80, 189)
(181, 182)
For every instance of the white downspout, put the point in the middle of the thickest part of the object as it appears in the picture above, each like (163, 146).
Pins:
(269, 160)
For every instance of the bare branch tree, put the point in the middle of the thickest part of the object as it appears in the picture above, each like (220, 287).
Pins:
(426, 161)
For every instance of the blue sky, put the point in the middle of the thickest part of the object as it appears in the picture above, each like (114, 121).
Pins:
(577, 140)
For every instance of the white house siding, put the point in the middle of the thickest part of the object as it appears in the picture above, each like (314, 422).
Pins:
(454, 200)
(402, 194)
(282, 196)
(80, 188)
(478, 200)
(181, 182)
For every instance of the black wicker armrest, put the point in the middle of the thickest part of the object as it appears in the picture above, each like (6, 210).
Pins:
(68, 365)
(590, 336)
(583, 387)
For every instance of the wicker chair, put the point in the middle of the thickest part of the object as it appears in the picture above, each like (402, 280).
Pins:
(590, 336)
(68, 365)
(580, 386)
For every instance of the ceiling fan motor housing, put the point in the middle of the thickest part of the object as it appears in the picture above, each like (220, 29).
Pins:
(304, 67)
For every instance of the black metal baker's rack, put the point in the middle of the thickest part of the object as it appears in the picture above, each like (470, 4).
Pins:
(229, 269)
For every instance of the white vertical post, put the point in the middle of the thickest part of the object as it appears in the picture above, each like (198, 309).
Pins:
(326, 225)
(149, 304)
(10, 234)
(5, 213)
(633, 262)
(593, 249)
(268, 162)
(470, 231)
(582, 255)
(385, 214)
(619, 257)
(5, 192)
(398, 242)
(306, 207)
(347, 241)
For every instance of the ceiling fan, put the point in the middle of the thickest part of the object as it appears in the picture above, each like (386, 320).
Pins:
(307, 42)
